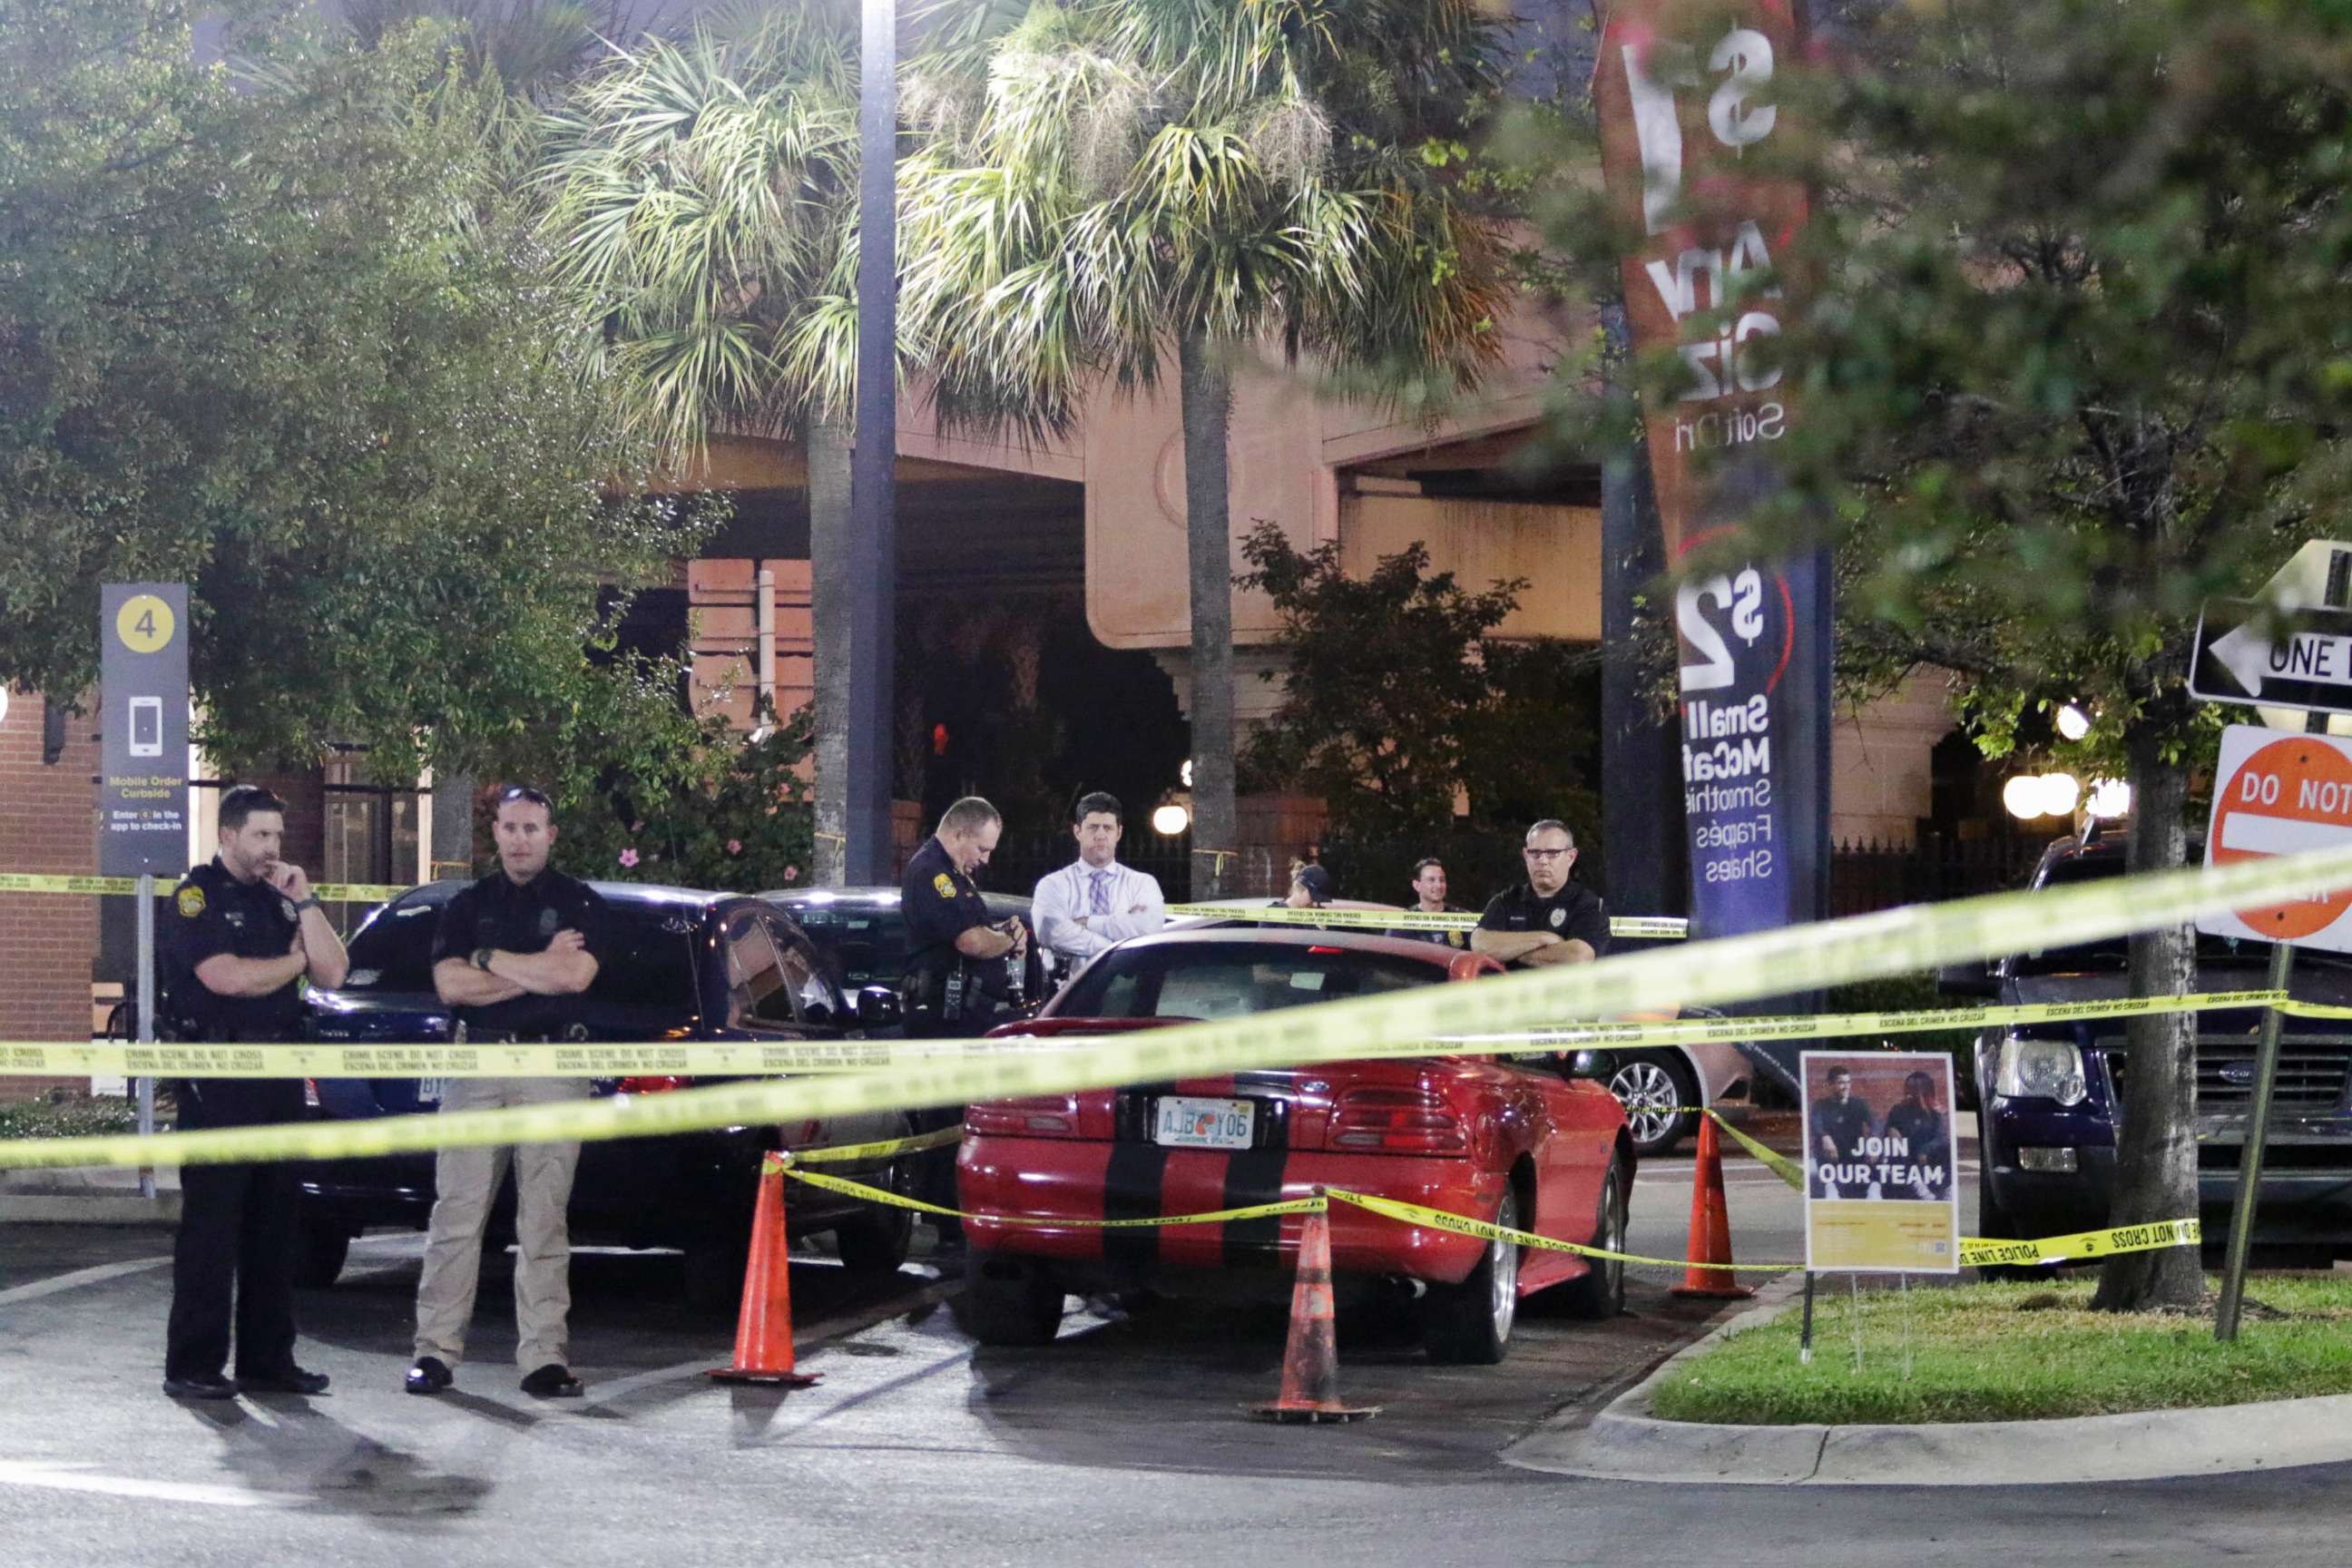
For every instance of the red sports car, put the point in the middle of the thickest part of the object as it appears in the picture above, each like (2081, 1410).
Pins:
(1519, 1144)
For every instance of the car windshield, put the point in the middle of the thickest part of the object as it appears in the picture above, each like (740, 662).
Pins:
(1229, 980)
(651, 964)
(393, 950)
(865, 946)
(2109, 955)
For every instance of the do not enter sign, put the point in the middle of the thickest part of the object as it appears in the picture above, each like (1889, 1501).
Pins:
(2277, 794)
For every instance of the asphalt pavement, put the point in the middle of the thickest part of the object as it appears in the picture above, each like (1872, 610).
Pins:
(1121, 1443)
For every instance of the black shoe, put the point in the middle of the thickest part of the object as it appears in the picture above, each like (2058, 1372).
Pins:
(214, 1387)
(554, 1381)
(289, 1379)
(431, 1374)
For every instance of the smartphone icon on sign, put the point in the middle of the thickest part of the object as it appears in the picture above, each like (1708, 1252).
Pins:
(146, 726)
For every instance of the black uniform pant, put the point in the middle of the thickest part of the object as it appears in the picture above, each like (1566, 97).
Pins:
(935, 1177)
(233, 1261)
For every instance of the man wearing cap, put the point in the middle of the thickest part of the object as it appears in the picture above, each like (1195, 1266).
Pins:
(1310, 888)
(511, 956)
(1550, 918)
(248, 931)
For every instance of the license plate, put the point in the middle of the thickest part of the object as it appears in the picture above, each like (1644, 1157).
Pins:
(1184, 1122)
(429, 1090)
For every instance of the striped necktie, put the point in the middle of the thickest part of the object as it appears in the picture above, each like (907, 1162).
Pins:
(1099, 894)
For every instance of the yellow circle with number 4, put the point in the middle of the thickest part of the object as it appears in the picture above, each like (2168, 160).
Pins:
(144, 624)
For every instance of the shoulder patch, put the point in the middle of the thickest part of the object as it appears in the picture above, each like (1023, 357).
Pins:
(945, 884)
(191, 901)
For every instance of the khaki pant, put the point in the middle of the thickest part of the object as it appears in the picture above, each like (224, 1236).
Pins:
(466, 1181)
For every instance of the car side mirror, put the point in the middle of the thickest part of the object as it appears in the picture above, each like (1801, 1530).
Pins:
(878, 1007)
(1968, 979)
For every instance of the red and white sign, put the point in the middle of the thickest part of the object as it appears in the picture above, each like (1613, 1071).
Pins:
(2278, 793)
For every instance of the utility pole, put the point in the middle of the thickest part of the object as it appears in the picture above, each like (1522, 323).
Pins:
(873, 577)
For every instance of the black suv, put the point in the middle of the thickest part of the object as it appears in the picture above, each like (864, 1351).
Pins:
(684, 965)
(2052, 1095)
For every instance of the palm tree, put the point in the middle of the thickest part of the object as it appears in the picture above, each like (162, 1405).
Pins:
(1205, 178)
(702, 208)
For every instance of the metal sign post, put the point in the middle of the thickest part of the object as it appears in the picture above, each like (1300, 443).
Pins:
(142, 800)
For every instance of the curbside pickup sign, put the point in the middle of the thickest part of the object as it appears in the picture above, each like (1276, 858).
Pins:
(143, 798)
(2277, 793)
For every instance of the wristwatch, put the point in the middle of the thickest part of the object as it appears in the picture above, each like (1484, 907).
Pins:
(482, 958)
(309, 903)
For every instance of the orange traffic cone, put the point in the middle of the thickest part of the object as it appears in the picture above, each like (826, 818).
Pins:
(1311, 1360)
(763, 1329)
(1710, 1226)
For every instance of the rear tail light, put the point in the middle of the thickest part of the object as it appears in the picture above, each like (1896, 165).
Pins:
(659, 1083)
(1397, 1122)
(310, 1094)
(1034, 1116)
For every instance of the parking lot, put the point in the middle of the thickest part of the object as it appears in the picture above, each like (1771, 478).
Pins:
(1121, 1442)
(96, 1454)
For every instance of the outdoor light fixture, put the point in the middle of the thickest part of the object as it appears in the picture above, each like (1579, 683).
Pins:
(2072, 722)
(1185, 772)
(1171, 819)
(2022, 796)
(2110, 798)
(2029, 796)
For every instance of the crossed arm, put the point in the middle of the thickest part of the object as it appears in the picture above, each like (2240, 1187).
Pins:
(1536, 947)
(565, 969)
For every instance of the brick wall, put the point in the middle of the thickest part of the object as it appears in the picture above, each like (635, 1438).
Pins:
(47, 940)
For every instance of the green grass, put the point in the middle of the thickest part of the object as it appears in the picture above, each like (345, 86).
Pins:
(2016, 1352)
(68, 1118)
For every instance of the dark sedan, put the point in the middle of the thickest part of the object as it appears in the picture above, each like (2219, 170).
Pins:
(684, 965)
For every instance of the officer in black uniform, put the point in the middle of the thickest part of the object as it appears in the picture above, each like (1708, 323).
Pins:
(958, 983)
(247, 930)
(1550, 918)
(959, 965)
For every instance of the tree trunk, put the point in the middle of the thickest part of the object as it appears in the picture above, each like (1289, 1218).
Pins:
(2156, 1153)
(829, 572)
(1207, 397)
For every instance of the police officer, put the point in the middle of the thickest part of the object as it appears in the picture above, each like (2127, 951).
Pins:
(511, 956)
(248, 931)
(957, 980)
(959, 963)
(1550, 918)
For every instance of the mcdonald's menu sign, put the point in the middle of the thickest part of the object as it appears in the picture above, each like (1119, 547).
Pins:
(1681, 106)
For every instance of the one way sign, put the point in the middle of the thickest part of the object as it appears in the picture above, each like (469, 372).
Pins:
(2286, 659)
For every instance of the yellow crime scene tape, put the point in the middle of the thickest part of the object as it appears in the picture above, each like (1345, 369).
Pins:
(1974, 1252)
(1659, 926)
(1149, 1222)
(1798, 958)
(327, 892)
(853, 1153)
(746, 1058)
(1979, 1251)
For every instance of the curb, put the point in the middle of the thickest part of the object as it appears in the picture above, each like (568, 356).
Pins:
(1626, 1443)
(90, 1208)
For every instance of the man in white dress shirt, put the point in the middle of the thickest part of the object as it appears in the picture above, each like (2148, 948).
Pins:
(1085, 906)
